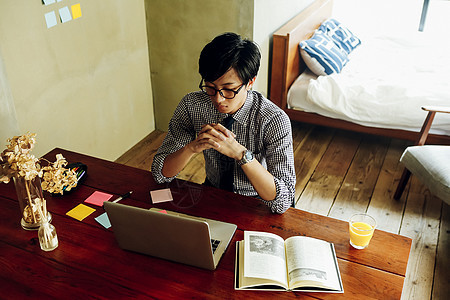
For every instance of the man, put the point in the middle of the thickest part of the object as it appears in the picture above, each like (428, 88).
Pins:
(246, 140)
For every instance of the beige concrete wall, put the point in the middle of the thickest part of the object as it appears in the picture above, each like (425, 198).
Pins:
(179, 29)
(8, 119)
(177, 32)
(83, 85)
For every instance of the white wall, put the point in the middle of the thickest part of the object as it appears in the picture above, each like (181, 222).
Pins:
(269, 15)
(392, 16)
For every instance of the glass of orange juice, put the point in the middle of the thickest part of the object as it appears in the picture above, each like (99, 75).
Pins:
(361, 227)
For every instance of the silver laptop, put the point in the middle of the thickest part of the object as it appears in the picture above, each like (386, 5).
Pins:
(177, 237)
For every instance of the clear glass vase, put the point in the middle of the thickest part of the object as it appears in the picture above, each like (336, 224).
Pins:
(32, 204)
(47, 236)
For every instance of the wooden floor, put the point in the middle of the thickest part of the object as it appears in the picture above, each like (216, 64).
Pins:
(340, 173)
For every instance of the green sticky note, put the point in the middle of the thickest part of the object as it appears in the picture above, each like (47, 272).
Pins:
(80, 212)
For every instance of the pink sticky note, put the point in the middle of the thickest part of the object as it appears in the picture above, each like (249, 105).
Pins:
(161, 196)
(97, 198)
(163, 211)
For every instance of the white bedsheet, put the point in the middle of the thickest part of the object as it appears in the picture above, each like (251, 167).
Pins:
(385, 84)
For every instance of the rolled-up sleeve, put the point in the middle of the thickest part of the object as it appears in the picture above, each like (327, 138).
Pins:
(179, 134)
(280, 161)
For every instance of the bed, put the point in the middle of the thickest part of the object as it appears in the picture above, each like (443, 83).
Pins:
(375, 110)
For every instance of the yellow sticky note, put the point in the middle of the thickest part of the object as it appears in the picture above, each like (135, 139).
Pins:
(76, 11)
(80, 212)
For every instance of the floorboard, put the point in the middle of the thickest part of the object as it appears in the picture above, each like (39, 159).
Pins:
(359, 183)
(383, 208)
(421, 223)
(307, 154)
(441, 286)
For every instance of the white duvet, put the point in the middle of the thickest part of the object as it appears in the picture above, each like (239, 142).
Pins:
(385, 84)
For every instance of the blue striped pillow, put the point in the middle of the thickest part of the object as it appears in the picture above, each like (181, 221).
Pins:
(322, 55)
(341, 35)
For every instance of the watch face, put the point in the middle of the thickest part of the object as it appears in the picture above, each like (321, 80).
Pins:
(248, 155)
(246, 158)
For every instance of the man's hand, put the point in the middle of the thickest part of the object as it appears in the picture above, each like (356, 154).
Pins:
(212, 136)
(216, 136)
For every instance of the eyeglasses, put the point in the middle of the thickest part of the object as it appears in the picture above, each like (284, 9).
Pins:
(226, 93)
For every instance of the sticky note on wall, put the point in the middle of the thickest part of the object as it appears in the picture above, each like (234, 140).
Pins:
(50, 19)
(76, 11)
(64, 14)
(48, 2)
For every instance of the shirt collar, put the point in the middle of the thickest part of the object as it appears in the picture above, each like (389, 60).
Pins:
(241, 115)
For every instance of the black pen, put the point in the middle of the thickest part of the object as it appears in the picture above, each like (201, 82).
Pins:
(123, 197)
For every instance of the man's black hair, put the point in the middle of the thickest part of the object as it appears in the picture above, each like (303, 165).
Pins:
(228, 51)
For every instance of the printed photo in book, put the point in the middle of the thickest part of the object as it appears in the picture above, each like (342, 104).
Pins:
(264, 261)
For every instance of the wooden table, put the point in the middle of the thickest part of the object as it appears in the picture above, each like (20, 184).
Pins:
(89, 264)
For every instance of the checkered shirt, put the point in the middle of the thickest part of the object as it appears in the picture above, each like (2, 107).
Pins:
(260, 126)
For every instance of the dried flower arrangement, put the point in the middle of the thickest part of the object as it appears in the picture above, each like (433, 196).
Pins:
(17, 162)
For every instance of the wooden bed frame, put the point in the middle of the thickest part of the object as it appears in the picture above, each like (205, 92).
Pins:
(287, 65)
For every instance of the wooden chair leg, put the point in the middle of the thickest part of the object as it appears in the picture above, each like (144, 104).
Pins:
(402, 183)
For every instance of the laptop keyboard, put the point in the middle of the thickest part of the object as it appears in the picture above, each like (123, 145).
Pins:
(214, 244)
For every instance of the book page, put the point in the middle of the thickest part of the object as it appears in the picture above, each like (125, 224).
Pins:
(311, 262)
(264, 256)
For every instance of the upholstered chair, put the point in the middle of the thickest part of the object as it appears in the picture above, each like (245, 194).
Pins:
(429, 163)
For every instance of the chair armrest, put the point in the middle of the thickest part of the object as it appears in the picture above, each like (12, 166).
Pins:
(443, 109)
(432, 110)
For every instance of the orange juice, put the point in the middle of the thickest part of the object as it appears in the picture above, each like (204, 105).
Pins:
(360, 234)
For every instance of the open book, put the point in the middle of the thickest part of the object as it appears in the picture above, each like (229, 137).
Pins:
(264, 261)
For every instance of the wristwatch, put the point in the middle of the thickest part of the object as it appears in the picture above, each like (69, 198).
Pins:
(247, 156)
